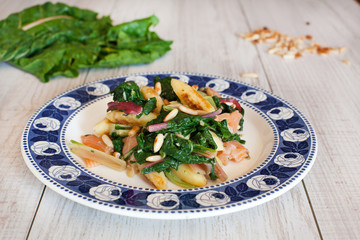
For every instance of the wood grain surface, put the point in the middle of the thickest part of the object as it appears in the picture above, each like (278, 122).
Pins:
(325, 205)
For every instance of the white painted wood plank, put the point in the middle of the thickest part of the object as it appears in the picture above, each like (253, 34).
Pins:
(21, 94)
(343, 11)
(203, 43)
(327, 91)
(59, 218)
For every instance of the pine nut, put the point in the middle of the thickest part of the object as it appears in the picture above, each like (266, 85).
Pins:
(342, 49)
(107, 141)
(116, 154)
(334, 50)
(211, 92)
(250, 75)
(159, 140)
(157, 88)
(171, 115)
(188, 110)
(153, 158)
(174, 104)
(130, 171)
(346, 61)
(289, 56)
(273, 50)
(196, 87)
(179, 135)
(133, 131)
(286, 46)
(271, 38)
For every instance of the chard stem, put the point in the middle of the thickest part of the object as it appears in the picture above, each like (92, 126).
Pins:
(42, 20)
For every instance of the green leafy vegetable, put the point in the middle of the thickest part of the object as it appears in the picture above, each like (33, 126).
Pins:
(175, 150)
(184, 123)
(179, 148)
(55, 39)
(212, 174)
(128, 91)
(146, 141)
(221, 130)
(203, 137)
(117, 142)
(166, 88)
(149, 106)
(225, 108)
(241, 124)
(128, 154)
(122, 127)
(160, 117)
(163, 166)
(141, 156)
(188, 139)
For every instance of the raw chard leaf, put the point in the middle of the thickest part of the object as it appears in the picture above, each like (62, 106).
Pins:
(59, 59)
(55, 39)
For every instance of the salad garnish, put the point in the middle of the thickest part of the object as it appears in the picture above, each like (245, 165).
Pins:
(172, 132)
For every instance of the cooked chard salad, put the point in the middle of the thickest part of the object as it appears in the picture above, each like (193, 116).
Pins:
(171, 132)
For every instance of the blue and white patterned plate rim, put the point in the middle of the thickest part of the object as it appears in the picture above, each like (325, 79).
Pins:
(291, 158)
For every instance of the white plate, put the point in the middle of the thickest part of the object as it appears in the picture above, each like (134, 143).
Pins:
(281, 142)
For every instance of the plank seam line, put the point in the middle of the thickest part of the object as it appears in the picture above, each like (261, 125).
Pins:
(312, 209)
(35, 214)
(256, 47)
(267, 79)
(86, 76)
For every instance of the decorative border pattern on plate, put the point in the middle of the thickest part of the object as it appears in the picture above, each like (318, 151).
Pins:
(46, 154)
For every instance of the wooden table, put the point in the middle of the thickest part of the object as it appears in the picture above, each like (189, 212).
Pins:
(325, 205)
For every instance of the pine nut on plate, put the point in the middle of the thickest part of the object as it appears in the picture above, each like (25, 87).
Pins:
(171, 115)
(159, 140)
(153, 158)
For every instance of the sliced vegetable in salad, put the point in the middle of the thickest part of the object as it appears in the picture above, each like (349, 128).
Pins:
(172, 132)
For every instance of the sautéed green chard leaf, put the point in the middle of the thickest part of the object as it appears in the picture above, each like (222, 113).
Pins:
(166, 88)
(163, 166)
(128, 91)
(117, 142)
(149, 105)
